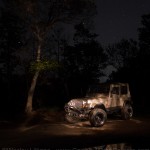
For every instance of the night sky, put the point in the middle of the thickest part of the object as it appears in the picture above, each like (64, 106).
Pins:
(119, 19)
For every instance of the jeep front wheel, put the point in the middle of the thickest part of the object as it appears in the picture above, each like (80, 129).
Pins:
(97, 117)
(70, 118)
(127, 112)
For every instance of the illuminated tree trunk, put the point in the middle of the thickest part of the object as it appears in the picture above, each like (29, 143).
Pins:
(31, 93)
(29, 107)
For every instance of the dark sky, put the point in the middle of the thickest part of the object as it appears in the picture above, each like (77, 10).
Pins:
(119, 19)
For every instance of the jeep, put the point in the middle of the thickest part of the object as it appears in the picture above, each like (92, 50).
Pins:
(100, 100)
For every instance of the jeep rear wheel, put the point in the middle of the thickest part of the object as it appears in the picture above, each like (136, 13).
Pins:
(97, 117)
(127, 112)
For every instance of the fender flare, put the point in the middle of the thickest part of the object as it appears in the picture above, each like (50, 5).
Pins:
(101, 106)
(127, 102)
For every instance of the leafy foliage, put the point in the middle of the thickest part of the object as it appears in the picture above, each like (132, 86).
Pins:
(144, 54)
(10, 40)
(44, 65)
(122, 53)
(83, 61)
(144, 34)
(133, 63)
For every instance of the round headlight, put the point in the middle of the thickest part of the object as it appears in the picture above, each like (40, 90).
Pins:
(71, 103)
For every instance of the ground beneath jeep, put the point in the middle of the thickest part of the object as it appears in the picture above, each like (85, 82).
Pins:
(61, 135)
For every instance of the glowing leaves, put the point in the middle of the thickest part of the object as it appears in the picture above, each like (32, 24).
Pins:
(44, 65)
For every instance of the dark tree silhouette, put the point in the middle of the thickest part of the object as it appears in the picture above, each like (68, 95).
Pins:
(122, 53)
(123, 56)
(10, 43)
(144, 43)
(40, 17)
(11, 29)
(144, 58)
(144, 34)
(83, 61)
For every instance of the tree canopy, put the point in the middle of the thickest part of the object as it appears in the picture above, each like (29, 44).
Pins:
(39, 18)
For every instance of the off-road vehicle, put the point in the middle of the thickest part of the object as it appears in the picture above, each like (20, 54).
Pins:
(100, 100)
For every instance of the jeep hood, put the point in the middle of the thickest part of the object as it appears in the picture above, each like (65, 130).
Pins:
(89, 100)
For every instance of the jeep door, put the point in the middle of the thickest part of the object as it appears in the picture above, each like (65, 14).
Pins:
(124, 94)
(115, 97)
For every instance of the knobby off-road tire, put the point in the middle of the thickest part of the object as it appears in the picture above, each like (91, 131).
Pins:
(97, 117)
(127, 112)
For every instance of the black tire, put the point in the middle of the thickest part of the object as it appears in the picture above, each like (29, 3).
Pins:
(71, 119)
(97, 117)
(127, 112)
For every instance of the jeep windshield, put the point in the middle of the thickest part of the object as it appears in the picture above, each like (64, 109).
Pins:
(98, 89)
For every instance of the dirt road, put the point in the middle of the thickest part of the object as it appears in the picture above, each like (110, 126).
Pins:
(61, 135)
